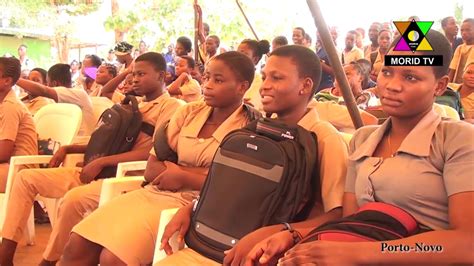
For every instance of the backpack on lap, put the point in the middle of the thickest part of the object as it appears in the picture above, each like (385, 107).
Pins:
(261, 175)
(116, 132)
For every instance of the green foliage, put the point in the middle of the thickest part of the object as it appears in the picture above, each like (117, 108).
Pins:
(458, 12)
(22, 14)
(122, 21)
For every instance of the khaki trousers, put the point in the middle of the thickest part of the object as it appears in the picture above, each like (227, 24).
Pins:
(78, 201)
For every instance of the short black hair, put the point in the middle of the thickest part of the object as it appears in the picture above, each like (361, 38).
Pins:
(441, 46)
(239, 63)
(11, 67)
(216, 38)
(259, 48)
(306, 61)
(96, 61)
(366, 67)
(155, 59)
(189, 60)
(303, 32)
(186, 43)
(280, 40)
(444, 21)
(206, 26)
(61, 73)
(42, 71)
(469, 20)
(352, 32)
(111, 68)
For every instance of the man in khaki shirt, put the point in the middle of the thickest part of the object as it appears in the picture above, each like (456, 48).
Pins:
(17, 129)
(157, 108)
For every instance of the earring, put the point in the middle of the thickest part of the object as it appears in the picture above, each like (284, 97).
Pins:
(301, 92)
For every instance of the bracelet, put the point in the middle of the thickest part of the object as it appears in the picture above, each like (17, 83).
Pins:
(295, 234)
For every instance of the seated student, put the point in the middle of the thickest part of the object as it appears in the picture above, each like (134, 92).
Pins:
(290, 78)
(81, 187)
(184, 86)
(105, 73)
(279, 41)
(75, 72)
(416, 161)
(254, 50)
(123, 51)
(184, 46)
(466, 91)
(338, 115)
(464, 54)
(355, 76)
(298, 36)
(351, 52)
(367, 82)
(378, 58)
(124, 230)
(86, 80)
(59, 89)
(34, 103)
(116, 88)
(17, 129)
(374, 31)
(212, 47)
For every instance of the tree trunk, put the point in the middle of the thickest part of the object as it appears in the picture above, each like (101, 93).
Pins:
(119, 35)
(62, 46)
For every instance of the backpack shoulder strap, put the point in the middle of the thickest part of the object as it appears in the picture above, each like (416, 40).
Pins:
(131, 99)
(308, 140)
(147, 128)
(162, 148)
(251, 113)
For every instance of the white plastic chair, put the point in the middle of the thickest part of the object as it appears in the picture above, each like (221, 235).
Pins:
(165, 218)
(99, 105)
(113, 187)
(60, 122)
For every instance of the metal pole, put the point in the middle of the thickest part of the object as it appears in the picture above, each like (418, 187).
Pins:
(246, 19)
(335, 63)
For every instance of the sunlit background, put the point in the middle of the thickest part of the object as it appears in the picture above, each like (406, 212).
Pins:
(63, 30)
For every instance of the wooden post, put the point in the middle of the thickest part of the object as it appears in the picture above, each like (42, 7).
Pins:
(196, 38)
(335, 63)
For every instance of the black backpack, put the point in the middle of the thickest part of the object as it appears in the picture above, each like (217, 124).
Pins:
(451, 98)
(261, 175)
(117, 130)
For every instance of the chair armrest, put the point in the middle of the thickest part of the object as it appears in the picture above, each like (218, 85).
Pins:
(73, 159)
(113, 187)
(30, 159)
(165, 218)
(123, 168)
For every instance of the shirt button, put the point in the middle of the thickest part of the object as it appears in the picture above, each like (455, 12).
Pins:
(201, 140)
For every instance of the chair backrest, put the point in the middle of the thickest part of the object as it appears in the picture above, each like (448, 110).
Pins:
(451, 112)
(59, 121)
(99, 105)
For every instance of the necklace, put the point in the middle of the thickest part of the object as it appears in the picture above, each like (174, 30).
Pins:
(392, 154)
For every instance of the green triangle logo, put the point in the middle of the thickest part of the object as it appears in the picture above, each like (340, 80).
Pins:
(424, 26)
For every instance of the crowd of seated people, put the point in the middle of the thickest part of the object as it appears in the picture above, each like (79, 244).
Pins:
(419, 159)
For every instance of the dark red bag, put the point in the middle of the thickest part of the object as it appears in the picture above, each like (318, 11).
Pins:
(375, 221)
